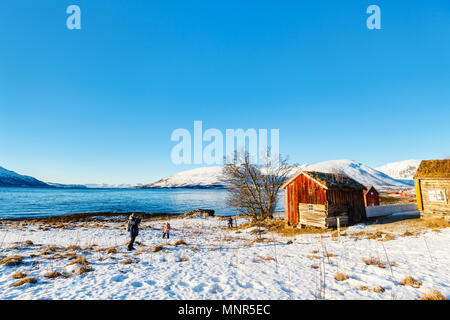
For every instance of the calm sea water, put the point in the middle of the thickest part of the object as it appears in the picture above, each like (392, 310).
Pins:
(37, 202)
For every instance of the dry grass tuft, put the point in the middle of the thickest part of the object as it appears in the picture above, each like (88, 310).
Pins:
(128, 261)
(80, 261)
(410, 281)
(48, 250)
(72, 248)
(378, 289)
(180, 242)
(28, 242)
(341, 276)
(25, 281)
(19, 275)
(389, 237)
(263, 259)
(329, 255)
(373, 261)
(375, 235)
(157, 248)
(363, 288)
(112, 250)
(408, 233)
(433, 295)
(53, 275)
(90, 247)
(83, 269)
(14, 260)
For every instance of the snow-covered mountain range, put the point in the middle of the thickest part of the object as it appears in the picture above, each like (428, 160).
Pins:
(11, 179)
(357, 171)
(403, 170)
(211, 177)
(396, 175)
(205, 177)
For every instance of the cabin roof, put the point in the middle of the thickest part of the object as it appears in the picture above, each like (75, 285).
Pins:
(328, 180)
(370, 187)
(433, 169)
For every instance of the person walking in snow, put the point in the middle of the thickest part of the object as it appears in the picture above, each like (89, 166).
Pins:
(166, 230)
(230, 222)
(133, 229)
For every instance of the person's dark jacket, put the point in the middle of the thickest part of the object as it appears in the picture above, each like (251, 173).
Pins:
(133, 227)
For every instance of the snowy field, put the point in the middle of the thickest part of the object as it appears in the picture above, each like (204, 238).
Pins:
(218, 263)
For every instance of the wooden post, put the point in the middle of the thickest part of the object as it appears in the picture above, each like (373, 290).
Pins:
(338, 229)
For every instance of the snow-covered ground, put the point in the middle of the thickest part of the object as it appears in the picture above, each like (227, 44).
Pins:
(219, 263)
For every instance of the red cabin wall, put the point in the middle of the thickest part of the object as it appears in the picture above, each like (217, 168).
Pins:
(371, 198)
(302, 190)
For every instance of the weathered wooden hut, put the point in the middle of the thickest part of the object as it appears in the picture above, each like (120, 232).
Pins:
(317, 199)
(432, 183)
(371, 197)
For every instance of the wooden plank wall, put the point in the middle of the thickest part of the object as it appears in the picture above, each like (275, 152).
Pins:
(434, 207)
(302, 190)
(353, 199)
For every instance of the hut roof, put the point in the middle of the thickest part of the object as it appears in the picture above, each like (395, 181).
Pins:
(329, 180)
(433, 169)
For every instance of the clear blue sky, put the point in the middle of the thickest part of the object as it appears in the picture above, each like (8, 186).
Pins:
(99, 104)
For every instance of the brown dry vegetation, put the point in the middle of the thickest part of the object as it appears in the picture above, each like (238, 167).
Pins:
(373, 261)
(112, 250)
(339, 276)
(80, 261)
(72, 248)
(390, 199)
(263, 259)
(19, 275)
(53, 274)
(14, 260)
(24, 281)
(128, 261)
(280, 226)
(157, 248)
(433, 295)
(48, 250)
(410, 281)
(82, 270)
(180, 242)
(378, 289)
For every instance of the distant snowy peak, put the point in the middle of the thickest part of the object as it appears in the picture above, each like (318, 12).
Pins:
(401, 170)
(363, 174)
(211, 177)
(108, 186)
(205, 177)
(12, 179)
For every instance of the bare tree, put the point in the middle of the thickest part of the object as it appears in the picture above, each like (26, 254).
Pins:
(253, 188)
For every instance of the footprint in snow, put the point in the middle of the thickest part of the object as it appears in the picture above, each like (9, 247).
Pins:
(199, 288)
(136, 284)
(119, 278)
(215, 288)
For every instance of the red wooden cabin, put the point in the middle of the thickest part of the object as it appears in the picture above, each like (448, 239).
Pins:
(318, 199)
(371, 197)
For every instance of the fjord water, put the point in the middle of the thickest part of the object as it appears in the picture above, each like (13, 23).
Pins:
(42, 202)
